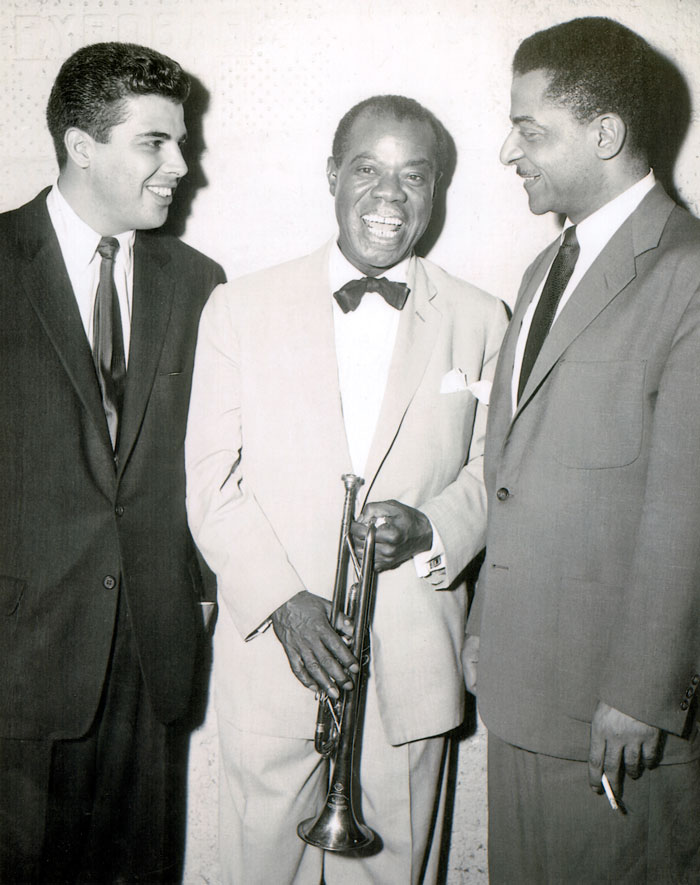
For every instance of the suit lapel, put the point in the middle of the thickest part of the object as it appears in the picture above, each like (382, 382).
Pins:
(609, 274)
(47, 285)
(152, 304)
(415, 340)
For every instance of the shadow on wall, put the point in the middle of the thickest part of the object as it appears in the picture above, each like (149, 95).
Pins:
(437, 219)
(672, 119)
(195, 110)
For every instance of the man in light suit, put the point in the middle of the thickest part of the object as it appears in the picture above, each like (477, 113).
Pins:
(99, 583)
(587, 605)
(291, 390)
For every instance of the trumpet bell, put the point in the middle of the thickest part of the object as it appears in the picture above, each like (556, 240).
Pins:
(336, 828)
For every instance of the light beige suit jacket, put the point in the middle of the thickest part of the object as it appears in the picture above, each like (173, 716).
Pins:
(266, 448)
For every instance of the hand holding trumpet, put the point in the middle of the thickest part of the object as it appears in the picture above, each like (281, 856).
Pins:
(402, 531)
(317, 654)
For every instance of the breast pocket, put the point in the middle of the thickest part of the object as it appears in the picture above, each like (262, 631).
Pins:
(167, 407)
(599, 409)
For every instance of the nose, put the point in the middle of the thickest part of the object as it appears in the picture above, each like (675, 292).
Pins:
(510, 151)
(174, 162)
(388, 188)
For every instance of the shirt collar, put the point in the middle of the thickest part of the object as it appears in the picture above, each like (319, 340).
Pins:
(341, 271)
(597, 229)
(77, 239)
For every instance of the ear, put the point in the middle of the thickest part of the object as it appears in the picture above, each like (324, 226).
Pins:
(610, 135)
(79, 146)
(332, 175)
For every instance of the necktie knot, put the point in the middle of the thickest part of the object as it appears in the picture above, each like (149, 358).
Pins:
(108, 247)
(570, 240)
(350, 295)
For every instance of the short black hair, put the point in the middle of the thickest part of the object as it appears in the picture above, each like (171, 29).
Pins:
(93, 84)
(596, 66)
(399, 107)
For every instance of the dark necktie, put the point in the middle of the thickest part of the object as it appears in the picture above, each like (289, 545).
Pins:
(557, 280)
(351, 293)
(108, 342)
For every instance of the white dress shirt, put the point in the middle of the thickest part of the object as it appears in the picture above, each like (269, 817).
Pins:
(593, 234)
(78, 242)
(364, 345)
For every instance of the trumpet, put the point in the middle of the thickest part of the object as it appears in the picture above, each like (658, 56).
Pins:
(337, 826)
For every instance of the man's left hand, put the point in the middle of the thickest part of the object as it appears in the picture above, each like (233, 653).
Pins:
(402, 532)
(620, 745)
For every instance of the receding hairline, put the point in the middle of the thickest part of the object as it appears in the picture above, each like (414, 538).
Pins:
(379, 113)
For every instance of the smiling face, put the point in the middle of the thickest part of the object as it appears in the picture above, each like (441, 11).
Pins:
(553, 152)
(130, 180)
(383, 189)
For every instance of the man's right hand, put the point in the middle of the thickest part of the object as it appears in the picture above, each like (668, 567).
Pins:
(317, 655)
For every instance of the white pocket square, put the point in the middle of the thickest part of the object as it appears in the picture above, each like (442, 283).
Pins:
(481, 390)
(454, 381)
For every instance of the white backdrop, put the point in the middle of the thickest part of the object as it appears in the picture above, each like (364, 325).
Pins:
(279, 74)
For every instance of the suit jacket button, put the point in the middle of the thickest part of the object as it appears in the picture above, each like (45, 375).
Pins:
(695, 679)
(119, 510)
(684, 705)
(503, 494)
(109, 582)
(690, 692)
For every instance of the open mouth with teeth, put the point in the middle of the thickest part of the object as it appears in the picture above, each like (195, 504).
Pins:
(385, 227)
(164, 192)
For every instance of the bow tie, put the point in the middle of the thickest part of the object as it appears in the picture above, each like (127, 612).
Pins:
(351, 293)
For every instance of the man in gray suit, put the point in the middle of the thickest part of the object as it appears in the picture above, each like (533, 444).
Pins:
(585, 632)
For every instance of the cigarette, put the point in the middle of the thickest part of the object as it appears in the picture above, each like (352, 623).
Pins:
(609, 793)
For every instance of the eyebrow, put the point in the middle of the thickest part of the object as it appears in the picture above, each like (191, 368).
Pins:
(524, 118)
(166, 136)
(420, 162)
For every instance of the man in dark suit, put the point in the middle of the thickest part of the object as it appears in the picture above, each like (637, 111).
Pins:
(99, 583)
(587, 608)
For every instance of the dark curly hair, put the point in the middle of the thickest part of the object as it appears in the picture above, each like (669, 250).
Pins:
(399, 107)
(92, 86)
(597, 66)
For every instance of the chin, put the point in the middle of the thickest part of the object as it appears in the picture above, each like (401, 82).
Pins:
(153, 223)
(538, 209)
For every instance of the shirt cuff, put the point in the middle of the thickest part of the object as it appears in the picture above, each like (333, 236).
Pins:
(260, 630)
(431, 561)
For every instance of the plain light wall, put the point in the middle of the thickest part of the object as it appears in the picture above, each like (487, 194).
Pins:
(279, 75)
